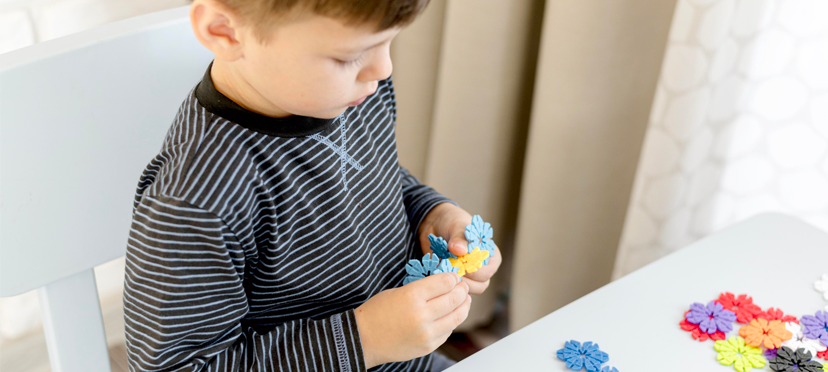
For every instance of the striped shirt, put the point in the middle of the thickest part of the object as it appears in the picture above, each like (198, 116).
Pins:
(254, 238)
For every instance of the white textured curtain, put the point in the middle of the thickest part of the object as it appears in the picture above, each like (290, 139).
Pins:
(739, 124)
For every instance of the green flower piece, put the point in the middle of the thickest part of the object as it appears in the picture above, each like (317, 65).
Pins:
(742, 357)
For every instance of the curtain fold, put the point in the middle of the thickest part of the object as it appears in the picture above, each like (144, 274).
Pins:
(596, 79)
(475, 105)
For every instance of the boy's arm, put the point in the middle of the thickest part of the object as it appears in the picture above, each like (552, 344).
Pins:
(184, 300)
(418, 199)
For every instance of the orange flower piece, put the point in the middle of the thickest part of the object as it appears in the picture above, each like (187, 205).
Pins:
(760, 331)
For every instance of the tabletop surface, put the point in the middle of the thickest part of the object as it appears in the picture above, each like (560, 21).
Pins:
(774, 258)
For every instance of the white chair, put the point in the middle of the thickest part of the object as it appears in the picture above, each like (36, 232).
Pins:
(80, 117)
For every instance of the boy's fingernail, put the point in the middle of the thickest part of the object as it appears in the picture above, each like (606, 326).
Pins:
(458, 278)
(470, 300)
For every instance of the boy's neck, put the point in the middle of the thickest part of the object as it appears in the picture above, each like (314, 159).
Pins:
(233, 85)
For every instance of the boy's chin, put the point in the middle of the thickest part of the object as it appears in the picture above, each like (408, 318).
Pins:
(330, 114)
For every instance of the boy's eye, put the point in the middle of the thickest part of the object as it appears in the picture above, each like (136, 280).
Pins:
(348, 62)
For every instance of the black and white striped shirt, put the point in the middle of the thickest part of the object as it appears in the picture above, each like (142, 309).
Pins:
(254, 238)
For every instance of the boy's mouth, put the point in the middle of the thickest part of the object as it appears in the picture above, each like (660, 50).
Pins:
(357, 102)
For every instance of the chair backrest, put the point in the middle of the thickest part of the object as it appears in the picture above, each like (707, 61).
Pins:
(80, 117)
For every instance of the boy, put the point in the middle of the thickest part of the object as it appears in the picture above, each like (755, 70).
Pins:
(271, 231)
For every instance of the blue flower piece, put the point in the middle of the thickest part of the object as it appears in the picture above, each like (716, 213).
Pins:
(479, 234)
(586, 356)
(609, 369)
(445, 267)
(440, 247)
(417, 270)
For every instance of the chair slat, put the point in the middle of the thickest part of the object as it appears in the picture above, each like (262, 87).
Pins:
(73, 324)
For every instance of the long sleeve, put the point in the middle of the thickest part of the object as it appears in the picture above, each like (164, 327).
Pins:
(418, 199)
(184, 301)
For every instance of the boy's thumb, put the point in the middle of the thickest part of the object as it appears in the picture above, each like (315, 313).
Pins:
(458, 244)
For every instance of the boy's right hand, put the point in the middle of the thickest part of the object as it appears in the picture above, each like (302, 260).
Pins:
(404, 323)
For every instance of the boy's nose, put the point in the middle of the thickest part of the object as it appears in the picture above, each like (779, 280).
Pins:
(379, 69)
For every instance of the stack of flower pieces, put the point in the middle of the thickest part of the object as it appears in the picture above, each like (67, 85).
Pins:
(481, 248)
(584, 356)
(789, 343)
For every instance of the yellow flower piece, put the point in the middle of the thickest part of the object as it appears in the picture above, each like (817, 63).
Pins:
(760, 331)
(470, 262)
(742, 357)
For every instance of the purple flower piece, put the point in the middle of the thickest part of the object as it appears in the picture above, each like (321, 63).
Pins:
(711, 318)
(816, 326)
(770, 353)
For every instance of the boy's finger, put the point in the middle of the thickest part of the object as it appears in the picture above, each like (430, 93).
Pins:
(453, 319)
(476, 287)
(442, 305)
(434, 285)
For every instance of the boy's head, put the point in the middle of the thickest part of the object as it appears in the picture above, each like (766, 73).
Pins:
(300, 57)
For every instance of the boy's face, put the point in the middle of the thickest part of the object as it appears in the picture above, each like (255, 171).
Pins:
(313, 66)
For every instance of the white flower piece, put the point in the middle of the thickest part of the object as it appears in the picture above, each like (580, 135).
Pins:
(800, 341)
(822, 286)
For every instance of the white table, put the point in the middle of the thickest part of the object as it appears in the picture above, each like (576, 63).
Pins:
(636, 318)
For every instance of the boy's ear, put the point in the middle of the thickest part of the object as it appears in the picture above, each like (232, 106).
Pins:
(217, 28)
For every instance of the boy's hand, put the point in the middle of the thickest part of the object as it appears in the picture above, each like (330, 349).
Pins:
(449, 221)
(404, 323)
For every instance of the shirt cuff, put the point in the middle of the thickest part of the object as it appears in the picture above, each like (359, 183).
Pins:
(419, 200)
(348, 344)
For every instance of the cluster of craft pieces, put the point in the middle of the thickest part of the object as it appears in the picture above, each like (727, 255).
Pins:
(481, 248)
(584, 356)
(767, 337)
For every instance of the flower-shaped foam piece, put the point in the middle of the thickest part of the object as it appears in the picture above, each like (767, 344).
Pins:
(777, 314)
(479, 234)
(609, 369)
(417, 270)
(586, 356)
(444, 267)
(697, 333)
(788, 360)
(742, 305)
(770, 353)
(440, 247)
(822, 355)
(711, 318)
(741, 356)
(470, 262)
(799, 341)
(816, 326)
(822, 286)
(760, 332)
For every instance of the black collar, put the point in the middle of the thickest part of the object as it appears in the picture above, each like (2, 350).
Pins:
(219, 104)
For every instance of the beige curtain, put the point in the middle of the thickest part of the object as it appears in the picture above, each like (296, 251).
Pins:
(532, 113)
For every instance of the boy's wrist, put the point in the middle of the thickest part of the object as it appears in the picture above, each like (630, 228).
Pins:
(368, 357)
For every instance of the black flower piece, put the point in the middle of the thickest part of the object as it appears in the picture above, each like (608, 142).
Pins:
(788, 360)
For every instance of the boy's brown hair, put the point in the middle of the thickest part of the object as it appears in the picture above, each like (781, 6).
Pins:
(384, 14)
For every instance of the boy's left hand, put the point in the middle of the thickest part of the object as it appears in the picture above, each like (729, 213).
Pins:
(449, 221)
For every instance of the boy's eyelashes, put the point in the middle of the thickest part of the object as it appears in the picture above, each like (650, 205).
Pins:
(348, 62)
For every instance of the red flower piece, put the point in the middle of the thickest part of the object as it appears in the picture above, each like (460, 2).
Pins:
(777, 314)
(823, 355)
(742, 305)
(697, 333)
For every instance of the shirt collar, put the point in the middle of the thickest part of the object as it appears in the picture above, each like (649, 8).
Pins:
(291, 126)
